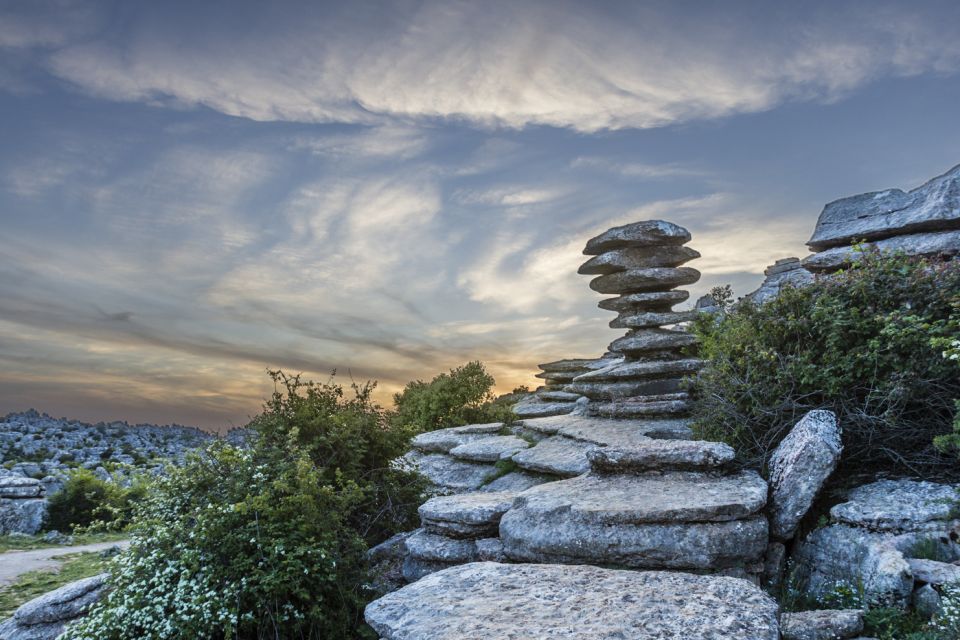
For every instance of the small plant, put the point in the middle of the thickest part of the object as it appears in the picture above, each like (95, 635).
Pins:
(843, 595)
(947, 621)
(929, 549)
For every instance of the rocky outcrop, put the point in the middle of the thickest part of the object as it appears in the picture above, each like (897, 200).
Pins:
(787, 272)
(554, 397)
(491, 600)
(46, 617)
(933, 206)
(875, 536)
(22, 503)
(826, 624)
(799, 467)
(944, 244)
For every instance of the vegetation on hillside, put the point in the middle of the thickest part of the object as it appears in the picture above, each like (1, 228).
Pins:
(872, 343)
(89, 502)
(267, 541)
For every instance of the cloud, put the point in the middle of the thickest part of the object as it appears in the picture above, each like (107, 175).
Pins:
(584, 66)
(635, 169)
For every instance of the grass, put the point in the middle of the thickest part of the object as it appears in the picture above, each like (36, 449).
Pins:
(28, 586)
(28, 543)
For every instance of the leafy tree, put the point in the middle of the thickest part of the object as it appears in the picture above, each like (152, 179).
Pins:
(863, 342)
(87, 501)
(463, 396)
(266, 541)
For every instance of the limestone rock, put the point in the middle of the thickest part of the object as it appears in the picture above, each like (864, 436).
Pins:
(642, 369)
(640, 280)
(624, 433)
(933, 572)
(650, 301)
(934, 206)
(449, 473)
(643, 341)
(785, 273)
(648, 233)
(20, 487)
(629, 388)
(556, 455)
(659, 455)
(44, 618)
(654, 406)
(489, 449)
(534, 407)
(637, 258)
(821, 625)
(483, 601)
(443, 440)
(628, 320)
(940, 243)
(898, 505)
(515, 481)
(414, 568)
(431, 547)
(22, 515)
(799, 467)
(471, 515)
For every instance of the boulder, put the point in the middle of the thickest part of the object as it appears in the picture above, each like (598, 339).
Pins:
(488, 600)
(624, 433)
(899, 505)
(515, 481)
(431, 547)
(44, 618)
(675, 404)
(799, 467)
(934, 206)
(643, 320)
(933, 572)
(648, 233)
(642, 369)
(472, 515)
(22, 515)
(785, 273)
(534, 407)
(939, 243)
(825, 624)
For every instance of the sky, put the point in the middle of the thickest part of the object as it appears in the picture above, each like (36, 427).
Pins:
(192, 193)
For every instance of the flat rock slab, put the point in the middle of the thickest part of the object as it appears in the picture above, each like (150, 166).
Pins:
(556, 455)
(649, 340)
(934, 206)
(642, 369)
(898, 505)
(467, 515)
(443, 440)
(640, 280)
(943, 243)
(609, 432)
(799, 467)
(489, 449)
(649, 301)
(653, 455)
(20, 487)
(623, 389)
(431, 547)
(645, 408)
(491, 601)
(633, 320)
(449, 473)
(637, 258)
(648, 233)
(536, 408)
(516, 481)
(933, 572)
(827, 624)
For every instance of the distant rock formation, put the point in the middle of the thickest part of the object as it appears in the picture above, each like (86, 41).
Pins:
(786, 272)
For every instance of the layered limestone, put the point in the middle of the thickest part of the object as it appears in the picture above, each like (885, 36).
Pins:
(490, 600)
(555, 397)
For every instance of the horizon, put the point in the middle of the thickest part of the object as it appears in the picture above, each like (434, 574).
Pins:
(193, 195)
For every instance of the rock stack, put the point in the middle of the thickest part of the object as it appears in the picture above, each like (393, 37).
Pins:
(554, 398)
(786, 272)
(22, 504)
(641, 264)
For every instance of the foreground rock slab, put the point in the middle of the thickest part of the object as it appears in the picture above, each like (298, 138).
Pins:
(822, 625)
(45, 618)
(899, 505)
(486, 600)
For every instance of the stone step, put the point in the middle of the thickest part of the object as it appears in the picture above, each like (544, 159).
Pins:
(628, 388)
(608, 432)
(646, 341)
(490, 601)
(933, 572)
(556, 455)
(577, 364)
(655, 406)
(448, 473)
(516, 481)
(648, 233)
(641, 280)
(637, 258)
(558, 396)
(489, 449)
(535, 408)
(630, 319)
(650, 301)
(659, 455)
(470, 515)
(677, 520)
(642, 369)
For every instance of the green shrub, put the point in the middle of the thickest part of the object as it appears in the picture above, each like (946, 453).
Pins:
(463, 396)
(267, 541)
(862, 343)
(87, 501)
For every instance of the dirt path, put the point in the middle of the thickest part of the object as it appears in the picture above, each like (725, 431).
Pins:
(16, 563)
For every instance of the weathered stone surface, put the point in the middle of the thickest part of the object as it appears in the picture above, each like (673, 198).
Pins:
(673, 455)
(22, 515)
(44, 618)
(450, 473)
(655, 406)
(490, 550)
(431, 547)
(515, 481)
(642, 369)
(786, 273)
(20, 487)
(643, 341)
(556, 455)
(942, 243)
(443, 440)
(650, 301)
(628, 388)
(927, 601)
(640, 280)
(854, 556)
(485, 601)
(648, 233)
(637, 258)
(799, 467)
(534, 407)
(393, 548)
(630, 320)
(473, 515)
(414, 568)
(828, 624)
(10, 630)
(623, 433)
(774, 567)
(934, 206)
(933, 572)
(558, 396)
(489, 449)
(898, 505)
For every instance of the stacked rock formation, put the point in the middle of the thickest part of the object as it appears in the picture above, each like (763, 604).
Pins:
(554, 398)
(22, 504)
(641, 264)
(924, 221)
(786, 272)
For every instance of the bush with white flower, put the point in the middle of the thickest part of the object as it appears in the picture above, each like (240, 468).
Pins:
(267, 541)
